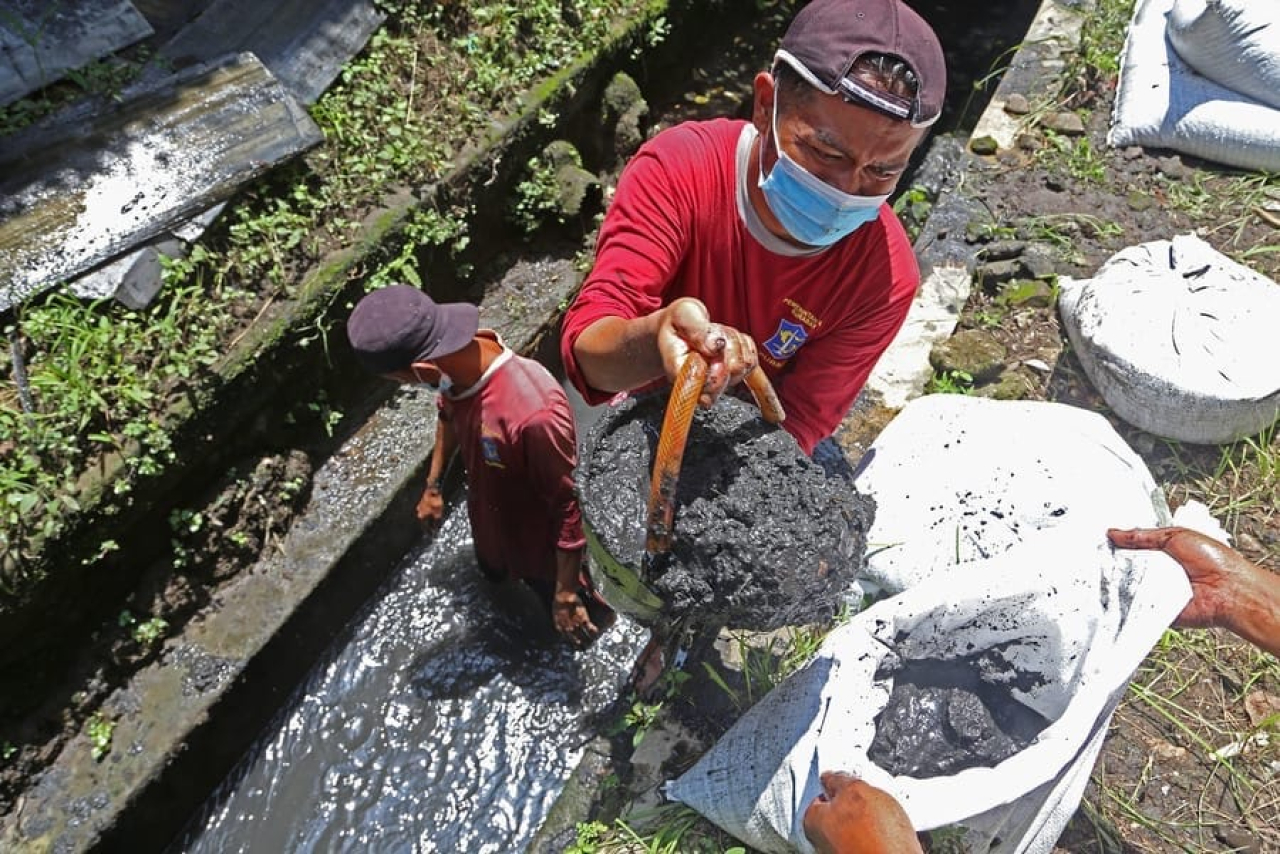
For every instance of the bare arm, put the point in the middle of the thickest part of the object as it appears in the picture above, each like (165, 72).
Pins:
(617, 354)
(1227, 590)
(430, 507)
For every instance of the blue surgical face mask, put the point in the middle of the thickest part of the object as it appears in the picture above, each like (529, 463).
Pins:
(441, 385)
(811, 210)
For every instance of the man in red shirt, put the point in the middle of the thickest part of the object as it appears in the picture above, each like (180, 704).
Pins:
(512, 424)
(770, 242)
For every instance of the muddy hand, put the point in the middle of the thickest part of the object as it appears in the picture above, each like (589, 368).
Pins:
(854, 817)
(430, 509)
(1214, 569)
(686, 327)
(572, 620)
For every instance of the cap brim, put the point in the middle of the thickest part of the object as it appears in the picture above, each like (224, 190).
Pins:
(460, 321)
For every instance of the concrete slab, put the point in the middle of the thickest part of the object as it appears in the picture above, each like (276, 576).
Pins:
(98, 181)
(41, 40)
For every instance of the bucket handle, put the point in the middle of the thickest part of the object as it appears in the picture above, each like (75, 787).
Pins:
(676, 422)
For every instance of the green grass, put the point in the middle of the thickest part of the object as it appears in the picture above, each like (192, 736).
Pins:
(671, 829)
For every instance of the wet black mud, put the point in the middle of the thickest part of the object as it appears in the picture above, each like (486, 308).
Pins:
(763, 537)
(942, 717)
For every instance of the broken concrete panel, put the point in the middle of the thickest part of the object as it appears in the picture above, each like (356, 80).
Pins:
(134, 279)
(167, 17)
(98, 183)
(305, 43)
(40, 40)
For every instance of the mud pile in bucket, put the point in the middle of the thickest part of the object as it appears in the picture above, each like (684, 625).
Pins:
(764, 538)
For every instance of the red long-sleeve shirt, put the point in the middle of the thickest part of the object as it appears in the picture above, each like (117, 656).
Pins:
(674, 229)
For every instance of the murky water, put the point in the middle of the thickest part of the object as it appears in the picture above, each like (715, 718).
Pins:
(435, 724)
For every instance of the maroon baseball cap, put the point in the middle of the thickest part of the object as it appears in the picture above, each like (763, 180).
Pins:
(396, 326)
(827, 37)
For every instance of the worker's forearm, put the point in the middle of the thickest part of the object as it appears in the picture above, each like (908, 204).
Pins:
(568, 567)
(446, 444)
(616, 354)
(1256, 612)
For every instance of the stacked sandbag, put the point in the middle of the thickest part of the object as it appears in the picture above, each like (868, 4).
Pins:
(1199, 76)
(1234, 43)
(1175, 336)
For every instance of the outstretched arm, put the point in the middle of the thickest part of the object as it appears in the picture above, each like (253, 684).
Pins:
(854, 817)
(1227, 590)
(619, 354)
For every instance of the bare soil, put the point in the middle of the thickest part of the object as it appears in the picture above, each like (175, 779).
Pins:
(1158, 786)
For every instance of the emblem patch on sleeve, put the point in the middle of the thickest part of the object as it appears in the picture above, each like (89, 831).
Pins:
(789, 338)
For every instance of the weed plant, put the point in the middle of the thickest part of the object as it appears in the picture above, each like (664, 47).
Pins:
(403, 111)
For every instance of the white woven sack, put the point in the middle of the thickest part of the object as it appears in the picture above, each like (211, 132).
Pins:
(993, 514)
(1161, 102)
(1058, 608)
(1175, 336)
(960, 479)
(1235, 43)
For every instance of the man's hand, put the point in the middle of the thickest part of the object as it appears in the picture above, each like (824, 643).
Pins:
(685, 325)
(854, 817)
(571, 618)
(1214, 569)
(430, 509)
(1227, 590)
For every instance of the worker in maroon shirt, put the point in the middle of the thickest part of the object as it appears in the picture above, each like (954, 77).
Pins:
(770, 242)
(512, 425)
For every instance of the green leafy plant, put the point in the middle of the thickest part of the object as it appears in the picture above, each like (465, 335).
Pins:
(950, 382)
(100, 730)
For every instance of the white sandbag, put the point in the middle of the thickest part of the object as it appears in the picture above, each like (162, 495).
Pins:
(1175, 336)
(1067, 621)
(1235, 43)
(1162, 102)
(959, 479)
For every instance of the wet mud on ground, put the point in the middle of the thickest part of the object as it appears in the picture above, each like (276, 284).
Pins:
(943, 717)
(763, 537)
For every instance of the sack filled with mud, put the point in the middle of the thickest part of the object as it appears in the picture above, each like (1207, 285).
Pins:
(763, 538)
(978, 699)
(979, 694)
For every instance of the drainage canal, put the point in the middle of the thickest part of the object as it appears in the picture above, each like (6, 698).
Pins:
(434, 725)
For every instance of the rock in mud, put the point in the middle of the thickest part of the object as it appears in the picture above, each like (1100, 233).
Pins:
(763, 537)
(943, 717)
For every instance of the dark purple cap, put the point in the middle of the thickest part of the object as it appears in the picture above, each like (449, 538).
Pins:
(828, 36)
(394, 327)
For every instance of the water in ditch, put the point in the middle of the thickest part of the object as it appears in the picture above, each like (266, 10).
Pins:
(435, 723)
